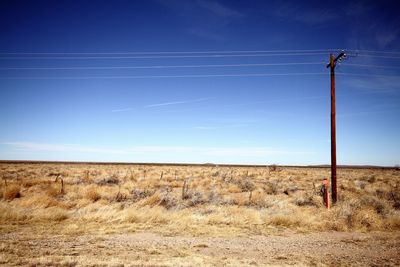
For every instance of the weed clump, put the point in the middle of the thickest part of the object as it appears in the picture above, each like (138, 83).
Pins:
(11, 193)
(139, 194)
(92, 194)
(373, 203)
(160, 199)
(246, 186)
(195, 198)
(108, 181)
(307, 200)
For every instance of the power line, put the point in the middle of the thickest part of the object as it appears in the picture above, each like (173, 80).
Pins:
(161, 76)
(163, 66)
(190, 76)
(202, 52)
(192, 66)
(374, 66)
(374, 51)
(374, 56)
(170, 52)
(168, 56)
(368, 75)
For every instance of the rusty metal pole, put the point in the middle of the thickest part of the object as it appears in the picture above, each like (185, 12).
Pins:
(333, 130)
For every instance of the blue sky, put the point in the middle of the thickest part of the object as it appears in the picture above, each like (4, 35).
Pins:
(198, 81)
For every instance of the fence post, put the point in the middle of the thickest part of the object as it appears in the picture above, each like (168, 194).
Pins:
(325, 192)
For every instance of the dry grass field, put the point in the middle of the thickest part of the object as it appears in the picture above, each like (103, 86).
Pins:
(151, 215)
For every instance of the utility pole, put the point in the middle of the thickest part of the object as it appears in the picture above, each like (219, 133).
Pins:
(332, 65)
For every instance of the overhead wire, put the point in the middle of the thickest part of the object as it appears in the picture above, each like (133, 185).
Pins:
(187, 54)
(161, 76)
(170, 52)
(193, 66)
(192, 76)
(372, 65)
(204, 52)
(367, 75)
(373, 51)
(374, 56)
(163, 56)
(163, 66)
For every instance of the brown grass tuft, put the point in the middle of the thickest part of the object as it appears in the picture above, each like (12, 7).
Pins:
(92, 194)
(285, 221)
(12, 192)
(152, 200)
(139, 194)
(53, 192)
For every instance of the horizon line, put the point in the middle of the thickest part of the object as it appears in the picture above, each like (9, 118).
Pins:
(209, 164)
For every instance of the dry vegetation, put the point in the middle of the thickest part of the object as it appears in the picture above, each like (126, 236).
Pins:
(76, 199)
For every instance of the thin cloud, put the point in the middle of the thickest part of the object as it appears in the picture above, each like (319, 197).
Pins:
(121, 110)
(372, 112)
(373, 84)
(219, 127)
(177, 102)
(219, 10)
(208, 19)
(32, 146)
(204, 33)
(274, 101)
(382, 34)
(207, 7)
(158, 150)
(385, 38)
(205, 128)
(305, 14)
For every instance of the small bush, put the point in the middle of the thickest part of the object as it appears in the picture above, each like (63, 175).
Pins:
(371, 179)
(374, 203)
(33, 182)
(214, 198)
(360, 184)
(289, 190)
(53, 192)
(394, 196)
(285, 221)
(367, 219)
(363, 214)
(272, 188)
(215, 174)
(11, 193)
(305, 201)
(233, 188)
(92, 194)
(52, 214)
(139, 194)
(108, 181)
(259, 200)
(120, 197)
(158, 199)
(195, 198)
(152, 200)
(381, 193)
(167, 201)
(273, 168)
(246, 186)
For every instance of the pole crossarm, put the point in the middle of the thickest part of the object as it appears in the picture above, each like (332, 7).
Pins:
(341, 56)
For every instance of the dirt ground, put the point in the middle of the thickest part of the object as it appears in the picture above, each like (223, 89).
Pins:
(152, 249)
